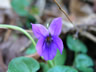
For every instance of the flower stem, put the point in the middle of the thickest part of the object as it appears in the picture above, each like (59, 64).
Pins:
(19, 29)
(50, 63)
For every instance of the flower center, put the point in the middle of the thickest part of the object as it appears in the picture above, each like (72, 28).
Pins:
(49, 39)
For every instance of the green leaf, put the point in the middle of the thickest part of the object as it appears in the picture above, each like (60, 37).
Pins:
(21, 6)
(31, 49)
(86, 69)
(84, 63)
(76, 45)
(60, 58)
(19, 29)
(44, 67)
(62, 69)
(23, 64)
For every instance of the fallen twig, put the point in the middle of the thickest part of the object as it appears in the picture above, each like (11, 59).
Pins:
(7, 34)
(88, 35)
(63, 11)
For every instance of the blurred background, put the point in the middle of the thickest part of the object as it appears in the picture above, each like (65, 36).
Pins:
(23, 12)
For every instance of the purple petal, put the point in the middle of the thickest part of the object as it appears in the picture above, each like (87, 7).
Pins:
(39, 30)
(58, 43)
(49, 51)
(56, 26)
(40, 45)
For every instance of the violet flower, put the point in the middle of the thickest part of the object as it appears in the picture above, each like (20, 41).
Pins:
(48, 40)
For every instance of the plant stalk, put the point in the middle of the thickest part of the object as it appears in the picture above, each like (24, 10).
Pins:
(19, 29)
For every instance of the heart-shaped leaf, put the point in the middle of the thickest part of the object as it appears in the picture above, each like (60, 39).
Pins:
(84, 63)
(76, 45)
(62, 69)
(23, 64)
(86, 69)
(21, 6)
